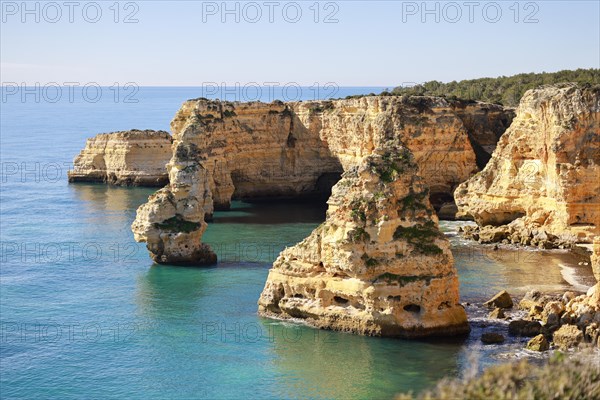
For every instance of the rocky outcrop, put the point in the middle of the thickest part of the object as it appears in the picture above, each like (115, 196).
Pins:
(132, 157)
(595, 258)
(564, 320)
(542, 184)
(378, 265)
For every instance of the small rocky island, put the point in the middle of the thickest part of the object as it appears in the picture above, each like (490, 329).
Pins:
(128, 158)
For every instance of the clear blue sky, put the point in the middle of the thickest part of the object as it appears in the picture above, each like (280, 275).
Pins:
(175, 43)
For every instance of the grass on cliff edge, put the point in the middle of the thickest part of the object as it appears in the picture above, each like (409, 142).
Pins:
(561, 377)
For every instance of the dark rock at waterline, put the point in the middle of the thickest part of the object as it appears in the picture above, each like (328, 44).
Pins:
(501, 300)
(492, 338)
(522, 327)
(567, 336)
(447, 211)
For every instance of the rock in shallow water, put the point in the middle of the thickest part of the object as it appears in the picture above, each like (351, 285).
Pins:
(498, 313)
(492, 338)
(500, 300)
(538, 343)
(524, 328)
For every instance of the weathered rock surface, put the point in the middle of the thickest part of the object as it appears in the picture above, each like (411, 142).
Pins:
(500, 300)
(538, 343)
(524, 328)
(570, 318)
(542, 184)
(497, 313)
(492, 338)
(132, 157)
(485, 123)
(276, 150)
(378, 265)
(567, 336)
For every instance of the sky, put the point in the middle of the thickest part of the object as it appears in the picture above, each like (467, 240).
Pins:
(349, 43)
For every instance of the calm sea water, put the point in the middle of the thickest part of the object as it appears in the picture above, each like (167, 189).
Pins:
(86, 314)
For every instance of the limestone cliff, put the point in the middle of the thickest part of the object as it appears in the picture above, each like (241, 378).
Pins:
(485, 123)
(543, 179)
(256, 149)
(132, 157)
(378, 265)
(268, 150)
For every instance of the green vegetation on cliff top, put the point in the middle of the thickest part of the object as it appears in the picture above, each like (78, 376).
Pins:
(505, 90)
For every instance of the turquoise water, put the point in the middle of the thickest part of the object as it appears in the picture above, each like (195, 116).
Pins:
(86, 314)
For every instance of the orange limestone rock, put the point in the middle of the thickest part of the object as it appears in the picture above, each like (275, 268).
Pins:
(379, 264)
(542, 184)
(134, 157)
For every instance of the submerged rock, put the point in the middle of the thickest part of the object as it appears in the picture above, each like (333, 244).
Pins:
(492, 338)
(131, 158)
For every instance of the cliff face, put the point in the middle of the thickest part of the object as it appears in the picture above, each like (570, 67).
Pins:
(544, 176)
(378, 265)
(133, 157)
(485, 123)
(596, 258)
(277, 149)
(285, 150)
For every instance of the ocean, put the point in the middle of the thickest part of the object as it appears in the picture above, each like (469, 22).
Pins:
(85, 313)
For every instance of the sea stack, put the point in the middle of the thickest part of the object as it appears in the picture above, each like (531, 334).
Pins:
(378, 265)
(128, 158)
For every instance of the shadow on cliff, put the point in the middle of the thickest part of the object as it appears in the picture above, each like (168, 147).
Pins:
(271, 212)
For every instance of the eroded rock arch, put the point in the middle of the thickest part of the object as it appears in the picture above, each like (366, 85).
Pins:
(378, 265)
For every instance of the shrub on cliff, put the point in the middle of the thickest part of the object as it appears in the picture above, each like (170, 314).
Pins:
(560, 378)
(506, 90)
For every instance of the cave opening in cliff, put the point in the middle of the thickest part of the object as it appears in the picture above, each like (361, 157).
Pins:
(315, 191)
(268, 205)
